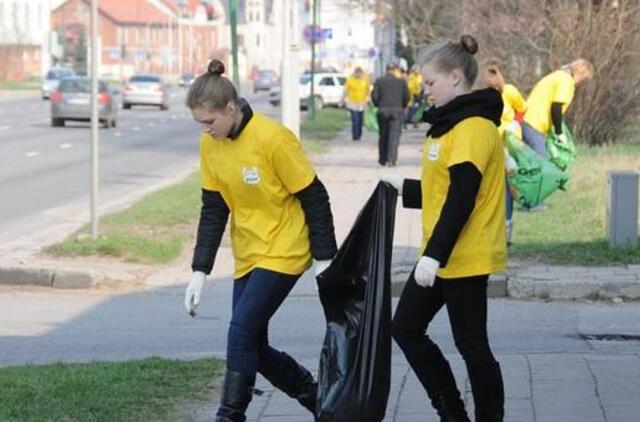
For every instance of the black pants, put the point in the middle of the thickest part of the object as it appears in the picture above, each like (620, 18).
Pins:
(466, 300)
(390, 123)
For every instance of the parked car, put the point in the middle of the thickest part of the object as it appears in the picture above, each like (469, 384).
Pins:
(145, 90)
(328, 90)
(265, 80)
(72, 101)
(186, 79)
(52, 78)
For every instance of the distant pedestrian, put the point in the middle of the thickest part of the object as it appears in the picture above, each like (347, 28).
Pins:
(548, 102)
(461, 194)
(414, 83)
(391, 96)
(254, 169)
(357, 90)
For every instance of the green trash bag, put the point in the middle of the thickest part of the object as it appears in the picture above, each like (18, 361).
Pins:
(536, 178)
(561, 153)
(416, 117)
(370, 119)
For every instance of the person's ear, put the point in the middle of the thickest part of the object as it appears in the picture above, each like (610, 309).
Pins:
(231, 107)
(456, 77)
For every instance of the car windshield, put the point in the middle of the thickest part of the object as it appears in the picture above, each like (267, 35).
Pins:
(79, 86)
(267, 74)
(58, 74)
(144, 78)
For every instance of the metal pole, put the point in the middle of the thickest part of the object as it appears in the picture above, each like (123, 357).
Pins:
(311, 103)
(234, 42)
(94, 118)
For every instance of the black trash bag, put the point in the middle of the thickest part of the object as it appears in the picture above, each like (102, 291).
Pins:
(355, 291)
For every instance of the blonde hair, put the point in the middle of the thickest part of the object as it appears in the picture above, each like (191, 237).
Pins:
(449, 55)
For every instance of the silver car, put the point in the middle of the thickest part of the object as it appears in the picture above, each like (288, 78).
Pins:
(72, 101)
(52, 78)
(145, 90)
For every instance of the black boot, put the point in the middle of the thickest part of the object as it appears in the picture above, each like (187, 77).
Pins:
(488, 391)
(236, 395)
(292, 379)
(450, 409)
(444, 394)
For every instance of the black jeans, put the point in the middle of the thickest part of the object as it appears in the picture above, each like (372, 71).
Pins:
(356, 124)
(466, 301)
(390, 124)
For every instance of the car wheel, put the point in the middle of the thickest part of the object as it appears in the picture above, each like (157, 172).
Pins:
(318, 103)
(57, 122)
(164, 107)
(126, 106)
(113, 122)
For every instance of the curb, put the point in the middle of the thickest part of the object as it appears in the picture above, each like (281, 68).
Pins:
(58, 279)
(497, 287)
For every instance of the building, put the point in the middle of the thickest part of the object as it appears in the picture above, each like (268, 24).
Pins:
(24, 38)
(153, 36)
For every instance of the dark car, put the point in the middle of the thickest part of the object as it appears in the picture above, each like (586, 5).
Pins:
(265, 80)
(72, 101)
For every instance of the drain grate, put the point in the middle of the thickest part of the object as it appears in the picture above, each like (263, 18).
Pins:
(610, 337)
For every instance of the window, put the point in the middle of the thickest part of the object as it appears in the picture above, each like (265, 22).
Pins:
(327, 81)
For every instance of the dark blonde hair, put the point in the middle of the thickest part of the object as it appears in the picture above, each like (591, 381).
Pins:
(211, 89)
(448, 56)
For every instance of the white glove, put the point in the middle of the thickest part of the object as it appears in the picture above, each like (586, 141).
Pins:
(425, 273)
(394, 180)
(193, 292)
(321, 265)
(562, 138)
(510, 164)
(513, 126)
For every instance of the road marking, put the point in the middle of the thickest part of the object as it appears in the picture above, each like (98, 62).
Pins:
(66, 146)
(151, 124)
(5, 127)
(136, 128)
(45, 120)
(117, 134)
(173, 117)
(32, 154)
(164, 120)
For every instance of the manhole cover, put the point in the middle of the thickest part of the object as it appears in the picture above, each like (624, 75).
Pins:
(610, 337)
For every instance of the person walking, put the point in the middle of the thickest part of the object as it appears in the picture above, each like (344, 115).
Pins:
(414, 83)
(548, 102)
(514, 105)
(254, 169)
(461, 194)
(356, 91)
(391, 96)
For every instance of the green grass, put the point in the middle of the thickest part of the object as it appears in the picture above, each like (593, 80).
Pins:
(329, 122)
(153, 230)
(20, 85)
(145, 390)
(573, 229)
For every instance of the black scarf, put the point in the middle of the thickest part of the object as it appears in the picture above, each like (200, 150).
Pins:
(247, 114)
(485, 103)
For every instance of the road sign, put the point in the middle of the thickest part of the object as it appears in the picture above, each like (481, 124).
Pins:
(308, 33)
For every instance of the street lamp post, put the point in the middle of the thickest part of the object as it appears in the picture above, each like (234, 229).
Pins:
(234, 42)
(311, 101)
(94, 118)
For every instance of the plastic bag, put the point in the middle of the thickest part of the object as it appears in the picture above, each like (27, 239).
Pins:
(370, 118)
(355, 291)
(561, 153)
(535, 178)
(416, 116)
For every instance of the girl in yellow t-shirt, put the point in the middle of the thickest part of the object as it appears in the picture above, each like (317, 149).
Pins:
(254, 169)
(461, 194)
(356, 92)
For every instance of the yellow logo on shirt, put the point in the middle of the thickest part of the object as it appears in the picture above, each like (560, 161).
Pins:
(251, 175)
(434, 152)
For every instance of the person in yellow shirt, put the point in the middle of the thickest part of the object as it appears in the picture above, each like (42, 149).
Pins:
(514, 104)
(356, 92)
(461, 194)
(254, 169)
(414, 83)
(548, 102)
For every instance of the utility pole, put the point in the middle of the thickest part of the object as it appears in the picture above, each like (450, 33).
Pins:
(234, 42)
(289, 93)
(311, 101)
(94, 119)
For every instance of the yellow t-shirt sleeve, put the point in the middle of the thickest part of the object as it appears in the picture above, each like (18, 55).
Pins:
(563, 89)
(291, 165)
(207, 178)
(515, 99)
(472, 143)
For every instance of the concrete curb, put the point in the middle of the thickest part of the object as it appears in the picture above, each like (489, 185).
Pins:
(59, 279)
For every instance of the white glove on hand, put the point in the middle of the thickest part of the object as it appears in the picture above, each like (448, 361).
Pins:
(321, 265)
(425, 273)
(193, 292)
(394, 180)
(562, 138)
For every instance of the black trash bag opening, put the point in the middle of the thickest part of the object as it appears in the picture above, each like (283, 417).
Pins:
(355, 291)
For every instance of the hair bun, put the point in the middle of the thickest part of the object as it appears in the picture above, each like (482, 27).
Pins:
(469, 44)
(215, 68)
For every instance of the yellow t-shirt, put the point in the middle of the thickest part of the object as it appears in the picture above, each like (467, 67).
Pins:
(357, 89)
(414, 84)
(257, 174)
(556, 87)
(514, 103)
(481, 246)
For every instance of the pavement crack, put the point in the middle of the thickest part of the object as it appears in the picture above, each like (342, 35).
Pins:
(400, 390)
(595, 386)
(533, 407)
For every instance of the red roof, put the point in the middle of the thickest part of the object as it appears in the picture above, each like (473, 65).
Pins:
(132, 11)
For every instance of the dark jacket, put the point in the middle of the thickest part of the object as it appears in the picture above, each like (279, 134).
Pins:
(390, 92)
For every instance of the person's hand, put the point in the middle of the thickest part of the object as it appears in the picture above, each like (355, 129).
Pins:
(321, 265)
(425, 273)
(562, 138)
(394, 180)
(194, 291)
